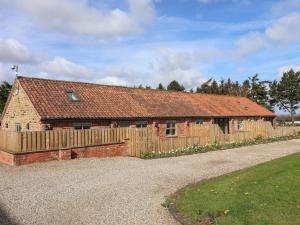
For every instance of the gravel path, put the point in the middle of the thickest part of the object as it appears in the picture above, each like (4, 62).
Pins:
(115, 190)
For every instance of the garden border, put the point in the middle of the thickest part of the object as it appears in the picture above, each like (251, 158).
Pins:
(216, 147)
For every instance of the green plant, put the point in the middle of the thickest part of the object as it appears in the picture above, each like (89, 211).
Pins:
(166, 204)
(216, 146)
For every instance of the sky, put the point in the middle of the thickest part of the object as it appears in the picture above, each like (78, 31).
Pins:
(132, 42)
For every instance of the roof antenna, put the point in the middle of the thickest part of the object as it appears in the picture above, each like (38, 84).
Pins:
(16, 69)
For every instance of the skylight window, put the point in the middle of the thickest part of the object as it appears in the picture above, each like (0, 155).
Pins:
(72, 96)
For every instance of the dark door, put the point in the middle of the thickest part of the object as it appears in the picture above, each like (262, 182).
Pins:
(223, 124)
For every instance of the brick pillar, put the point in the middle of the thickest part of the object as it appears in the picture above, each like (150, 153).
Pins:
(64, 154)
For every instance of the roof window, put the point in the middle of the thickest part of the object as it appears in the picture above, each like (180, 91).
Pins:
(72, 96)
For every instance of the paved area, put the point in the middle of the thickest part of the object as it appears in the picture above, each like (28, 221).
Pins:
(115, 190)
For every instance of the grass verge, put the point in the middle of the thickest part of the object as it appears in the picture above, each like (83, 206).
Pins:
(264, 194)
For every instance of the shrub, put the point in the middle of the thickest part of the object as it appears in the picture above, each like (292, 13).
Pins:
(216, 146)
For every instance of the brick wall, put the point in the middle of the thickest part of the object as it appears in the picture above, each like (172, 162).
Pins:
(100, 151)
(20, 110)
(110, 150)
(181, 126)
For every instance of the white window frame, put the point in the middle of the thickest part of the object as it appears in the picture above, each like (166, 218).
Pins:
(141, 124)
(172, 128)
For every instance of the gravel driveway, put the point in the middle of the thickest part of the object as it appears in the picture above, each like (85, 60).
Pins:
(115, 190)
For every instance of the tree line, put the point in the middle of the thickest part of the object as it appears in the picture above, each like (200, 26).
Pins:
(283, 93)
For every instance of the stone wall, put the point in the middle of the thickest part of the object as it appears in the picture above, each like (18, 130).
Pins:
(20, 110)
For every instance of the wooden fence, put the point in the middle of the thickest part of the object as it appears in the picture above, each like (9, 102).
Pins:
(146, 141)
(10, 140)
(265, 129)
(60, 139)
(141, 139)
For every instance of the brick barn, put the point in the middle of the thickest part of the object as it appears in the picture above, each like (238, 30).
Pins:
(40, 104)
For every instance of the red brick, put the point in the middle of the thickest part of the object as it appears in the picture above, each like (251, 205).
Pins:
(100, 151)
(7, 158)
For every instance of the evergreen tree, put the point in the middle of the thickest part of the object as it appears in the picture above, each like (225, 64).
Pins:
(222, 87)
(160, 87)
(245, 89)
(286, 93)
(236, 89)
(4, 92)
(258, 92)
(214, 87)
(175, 86)
(227, 87)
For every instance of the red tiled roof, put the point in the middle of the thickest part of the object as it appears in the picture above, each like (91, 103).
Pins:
(103, 101)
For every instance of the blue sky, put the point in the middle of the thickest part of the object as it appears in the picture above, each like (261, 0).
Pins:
(132, 42)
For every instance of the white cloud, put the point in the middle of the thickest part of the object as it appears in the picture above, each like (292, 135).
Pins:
(12, 51)
(5, 74)
(60, 66)
(2, 73)
(142, 10)
(111, 80)
(285, 29)
(118, 75)
(159, 65)
(284, 7)
(77, 17)
(284, 69)
(177, 65)
(250, 44)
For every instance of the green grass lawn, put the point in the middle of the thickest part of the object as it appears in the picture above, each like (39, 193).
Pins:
(266, 194)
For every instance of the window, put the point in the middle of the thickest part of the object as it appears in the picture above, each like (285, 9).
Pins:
(28, 126)
(240, 124)
(124, 124)
(82, 125)
(72, 96)
(6, 125)
(18, 127)
(141, 124)
(171, 128)
(199, 121)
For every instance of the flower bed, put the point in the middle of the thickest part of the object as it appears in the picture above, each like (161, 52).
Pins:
(216, 146)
